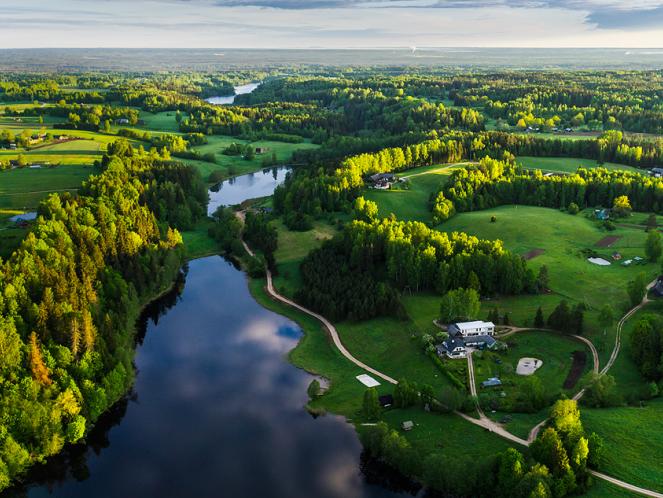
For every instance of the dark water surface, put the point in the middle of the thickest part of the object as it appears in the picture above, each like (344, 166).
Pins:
(237, 190)
(217, 410)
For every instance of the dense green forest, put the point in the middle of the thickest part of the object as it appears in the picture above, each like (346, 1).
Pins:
(69, 297)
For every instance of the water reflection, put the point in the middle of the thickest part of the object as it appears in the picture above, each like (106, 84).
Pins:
(251, 186)
(219, 410)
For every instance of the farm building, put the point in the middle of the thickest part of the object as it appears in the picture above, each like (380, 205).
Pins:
(452, 348)
(656, 172)
(261, 150)
(470, 329)
(408, 425)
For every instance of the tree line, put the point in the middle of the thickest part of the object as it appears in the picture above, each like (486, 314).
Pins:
(358, 273)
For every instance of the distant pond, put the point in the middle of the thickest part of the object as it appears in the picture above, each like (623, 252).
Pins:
(230, 99)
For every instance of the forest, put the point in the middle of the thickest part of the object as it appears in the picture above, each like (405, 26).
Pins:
(392, 256)
(69, 297)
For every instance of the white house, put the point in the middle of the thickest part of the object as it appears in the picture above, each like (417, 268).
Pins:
(470, 329)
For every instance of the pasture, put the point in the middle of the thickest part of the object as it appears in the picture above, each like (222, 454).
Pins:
(410, 200)
(631, 436)
(563, 237)
(23, 188)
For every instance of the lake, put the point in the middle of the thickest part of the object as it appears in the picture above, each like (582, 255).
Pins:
(238, 189)
(216, 409)
(229, 99)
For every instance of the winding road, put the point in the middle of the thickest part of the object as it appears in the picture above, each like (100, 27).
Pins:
(483, 421)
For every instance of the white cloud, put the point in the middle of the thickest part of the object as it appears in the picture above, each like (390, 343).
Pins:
(330, 23)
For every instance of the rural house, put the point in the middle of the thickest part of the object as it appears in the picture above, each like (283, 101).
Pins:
(261, 150)
(452, 348)
(470, 329)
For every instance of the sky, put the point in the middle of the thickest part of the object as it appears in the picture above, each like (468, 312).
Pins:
(330, 23)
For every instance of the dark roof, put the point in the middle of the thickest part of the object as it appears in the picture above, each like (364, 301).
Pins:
(386, 400)
(382, 176)
(480, 339)
(452, 343)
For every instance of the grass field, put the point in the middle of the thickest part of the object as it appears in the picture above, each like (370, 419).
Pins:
(553, 349)
(625, 371)
(410, 201)
(632, 437)
(23, 189)
(562, 236)
(293, 248)
(568, 164)
(197, 243)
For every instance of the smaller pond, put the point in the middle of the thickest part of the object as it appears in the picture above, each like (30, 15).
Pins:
(229, 99)
(237, 190)
(32, 215)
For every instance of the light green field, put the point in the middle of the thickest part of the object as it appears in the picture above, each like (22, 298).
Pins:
(69, 153)
(23, 189)
(410, 201)
(632, 437)
(292, 249)
(562, 236)
(553, 349)
(625, 371)
(160, 121)
(568, 164)
(197, 242)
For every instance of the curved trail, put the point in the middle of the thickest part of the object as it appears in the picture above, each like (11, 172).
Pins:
(328, 325)
(483, 421)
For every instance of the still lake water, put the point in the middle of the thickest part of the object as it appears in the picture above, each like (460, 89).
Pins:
(239, 90)
(237, 190)
(216, 410)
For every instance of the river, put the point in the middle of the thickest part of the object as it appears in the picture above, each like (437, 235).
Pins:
(239, 90)
(216, 410)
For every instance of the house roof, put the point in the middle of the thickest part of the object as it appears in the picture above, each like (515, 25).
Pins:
(473, 325)
(452, 343)
(477, 339)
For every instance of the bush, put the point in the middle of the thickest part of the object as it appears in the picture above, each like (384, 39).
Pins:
(573, 208)
(493, 219)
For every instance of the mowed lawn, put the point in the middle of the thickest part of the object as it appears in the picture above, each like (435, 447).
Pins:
(24, 188)
(632, 437)
(552, 348)
(410, 201)
(562, 236)
(568, 164)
